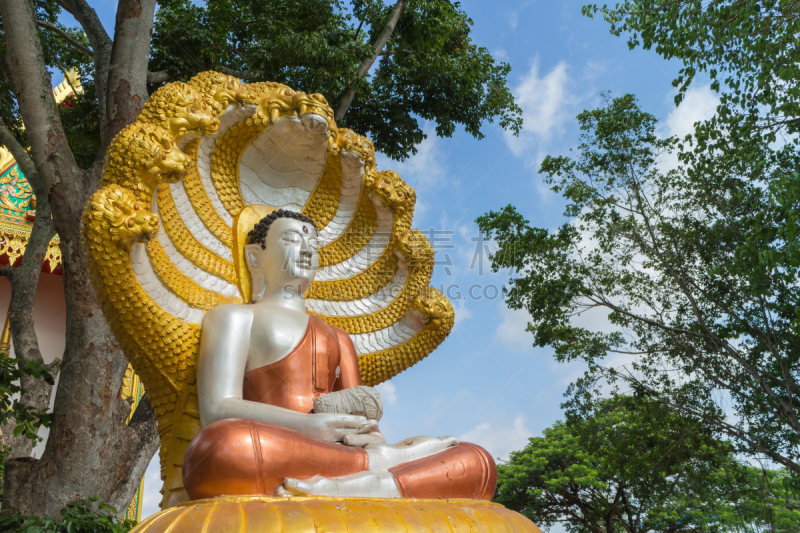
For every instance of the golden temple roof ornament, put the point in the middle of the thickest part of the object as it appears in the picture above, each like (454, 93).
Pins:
(17, 203)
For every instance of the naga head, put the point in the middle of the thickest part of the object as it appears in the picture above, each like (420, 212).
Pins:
(436, 310)
(114, 212)
(414, 247)
(312, 103)
(276, 101)
(270, 89)
(361, 146)
(180, 109)
(220, 90)
(395, 193)
(165, 162)
(143, 155)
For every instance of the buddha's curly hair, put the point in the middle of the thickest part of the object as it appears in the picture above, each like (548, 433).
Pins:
(258, 235)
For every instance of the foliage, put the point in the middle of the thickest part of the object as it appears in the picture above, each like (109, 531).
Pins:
(749, 50)
(430, 69)
(634, 466)
(81, 125)
(758, 500)
(4, 451)
(59, 57)
(626, 467)
(698, 323)
(26, 419)
(82, 516)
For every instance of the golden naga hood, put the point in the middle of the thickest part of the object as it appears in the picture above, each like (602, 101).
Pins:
(185, 183)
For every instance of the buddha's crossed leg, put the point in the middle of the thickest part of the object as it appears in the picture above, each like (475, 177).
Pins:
(238, 456)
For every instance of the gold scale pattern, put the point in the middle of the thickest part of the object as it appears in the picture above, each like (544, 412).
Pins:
(418, 279)
(200, 201)
(183, 286)
(218, 91)
(355, 237)
(420, 271)
(166, 362)
(373, 279)
(396, 195)
(224, 162)
(180, 109)
(185, 424)
(439, 316)
(187, 244)
(321, 206)
(163, 348)
(362, 227)
(229, 147)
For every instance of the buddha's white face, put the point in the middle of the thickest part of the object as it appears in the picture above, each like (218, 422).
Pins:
(290, 260)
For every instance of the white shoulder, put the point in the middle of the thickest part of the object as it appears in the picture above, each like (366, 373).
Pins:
(228, 315)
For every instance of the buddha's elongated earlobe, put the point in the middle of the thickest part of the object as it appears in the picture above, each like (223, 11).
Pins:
(254, 255)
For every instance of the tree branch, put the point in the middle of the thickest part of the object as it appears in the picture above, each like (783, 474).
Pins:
(24, 280)
(244, 75)
(144, 444)
(677, 274)
(20, 154)
(25, 69)
(735, 432)
(66, 5)
(127, 74)
(67, 37)
(89, 21)
(158, 77)
(66, 76)
(101, 46)
(347, 95)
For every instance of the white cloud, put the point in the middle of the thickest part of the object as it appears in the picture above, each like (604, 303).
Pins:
(512, 329)
(388, 392)
(499, 439)
(699, 103)
(594, 319)
(513, 16)
(546, 105)
(423, 170)
(462, 313)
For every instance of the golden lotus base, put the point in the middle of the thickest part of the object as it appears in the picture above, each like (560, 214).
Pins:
(256, 514)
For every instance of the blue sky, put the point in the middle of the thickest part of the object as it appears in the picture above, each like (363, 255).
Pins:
(486, 383)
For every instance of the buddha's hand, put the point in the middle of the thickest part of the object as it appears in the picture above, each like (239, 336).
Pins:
(334, 427)
(360, 440)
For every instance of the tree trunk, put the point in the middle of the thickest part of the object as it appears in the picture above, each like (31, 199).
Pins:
(346, 98)
(90, 451)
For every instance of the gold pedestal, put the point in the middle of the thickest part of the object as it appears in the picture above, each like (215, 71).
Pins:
(251, 514)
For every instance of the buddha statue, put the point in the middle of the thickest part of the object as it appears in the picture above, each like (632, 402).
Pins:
(261, 367)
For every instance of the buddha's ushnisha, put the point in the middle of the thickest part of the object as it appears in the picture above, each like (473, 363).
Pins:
(262, 366)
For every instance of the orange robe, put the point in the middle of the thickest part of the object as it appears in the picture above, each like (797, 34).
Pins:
(240, 456)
